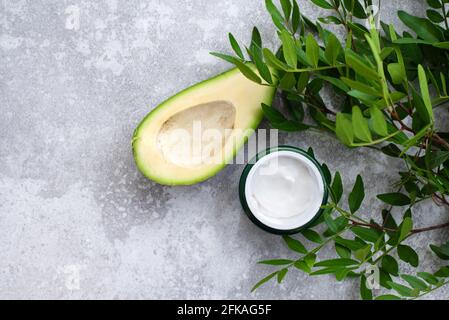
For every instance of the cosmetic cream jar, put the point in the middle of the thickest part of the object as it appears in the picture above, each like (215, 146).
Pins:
(283, 189)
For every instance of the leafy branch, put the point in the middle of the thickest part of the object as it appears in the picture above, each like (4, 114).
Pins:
(362, 246)
(389, 87)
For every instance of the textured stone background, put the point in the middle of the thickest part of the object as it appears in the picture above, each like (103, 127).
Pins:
(72, 204)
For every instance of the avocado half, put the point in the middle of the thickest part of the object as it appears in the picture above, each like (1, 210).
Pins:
(193, 135)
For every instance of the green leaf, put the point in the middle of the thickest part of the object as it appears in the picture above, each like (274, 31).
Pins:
(333, 48)
(407, 254)
(403, 290)
(412, 188)
(344, 129)
(247, 71)
(337, 263)
(288, 81)
(310, 259)
(323, 4)
(286, 8)
(276, 262)
(411, 41)
(303, 266)
(303, 81)
(339, 223)
(295, 107)
(342, 251)
(425, 29)
(365, 293)
(434, 16)
(322, 119)
(396, 72)
(356, 8)
(273, 115)
(335, 82)
(436, 4)
(281, 274)
(441, 251)
(443, 272)
(394, 98)
(256, 39)
(224, 57)
(350, 244)
(443, 83)
(326, 173)
(395, 199)
(330, 222)
(357, 195)
(366, 234)
(406, 227)
(359, 86)
(391, 150)
(429, 278)
(378, 122)
(329, 20)
(236, 47)
(361, 254)
(360, 66)
(385, 53)
(278, 120)
(411, 142)
(363, 97)
(289, 49)
(312, 50)
(337, 188)
(263, 281)
(274, 62)
(384, 278)
(331, 270)
(388, 220)
(276, 16)
(388, 297)
(358, 29)
(425, 91)
(315, 87)
(438, 158)
(380, 243)
(420, 107)
(294, 244)
(360, 125)
(264, 71)
(390, 265)
(290, 126)
(415, 282)
(296, 17)
(342, 274)
(311, 235)
(442, 45)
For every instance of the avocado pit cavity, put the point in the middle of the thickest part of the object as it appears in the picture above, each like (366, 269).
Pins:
(196, 136)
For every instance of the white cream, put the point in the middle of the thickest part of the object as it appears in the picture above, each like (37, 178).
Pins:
(284, 190)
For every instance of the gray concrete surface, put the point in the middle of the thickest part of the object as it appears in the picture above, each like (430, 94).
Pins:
(77, 220)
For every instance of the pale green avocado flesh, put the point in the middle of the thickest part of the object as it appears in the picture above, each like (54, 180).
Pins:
(193, 135)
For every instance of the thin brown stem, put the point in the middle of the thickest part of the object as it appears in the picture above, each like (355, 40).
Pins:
(408, 110)
(441, 199)
(440, 141)
(396, 117)
(319, 105)
(373, 226)
(436, 227)
(414, 231)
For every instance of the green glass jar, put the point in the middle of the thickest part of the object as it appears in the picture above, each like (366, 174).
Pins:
(283, 189)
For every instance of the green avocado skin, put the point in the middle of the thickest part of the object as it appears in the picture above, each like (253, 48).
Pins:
(199, 86)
